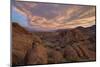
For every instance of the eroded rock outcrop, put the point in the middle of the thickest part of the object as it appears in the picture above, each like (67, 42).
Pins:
(21, 42)
(54, 56)
(37, 54)
(68, 45)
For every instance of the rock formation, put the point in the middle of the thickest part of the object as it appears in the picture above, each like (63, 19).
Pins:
(65, 45)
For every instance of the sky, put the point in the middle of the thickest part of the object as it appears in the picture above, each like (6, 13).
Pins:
(50, 16)
(19, 18)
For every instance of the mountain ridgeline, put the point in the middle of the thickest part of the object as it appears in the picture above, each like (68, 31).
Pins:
(59, 46)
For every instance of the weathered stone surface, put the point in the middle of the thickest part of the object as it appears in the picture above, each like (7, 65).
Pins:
(37, 55)
(21, 42)
(54, 56)
(66, 45)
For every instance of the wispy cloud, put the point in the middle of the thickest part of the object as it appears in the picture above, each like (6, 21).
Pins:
(56, 16)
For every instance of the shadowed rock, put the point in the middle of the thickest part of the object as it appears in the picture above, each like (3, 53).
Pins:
(54, 56)
(71, 54)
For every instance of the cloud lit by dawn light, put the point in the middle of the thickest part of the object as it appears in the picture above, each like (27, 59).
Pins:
(56, 16)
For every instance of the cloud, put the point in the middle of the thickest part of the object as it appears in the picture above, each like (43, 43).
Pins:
(62, 16)
(19, 10)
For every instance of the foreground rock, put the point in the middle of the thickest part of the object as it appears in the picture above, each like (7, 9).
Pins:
(21, 42)
(37, 54)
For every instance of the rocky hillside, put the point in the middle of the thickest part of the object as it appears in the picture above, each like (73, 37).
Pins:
(21, 42)
(67, 45)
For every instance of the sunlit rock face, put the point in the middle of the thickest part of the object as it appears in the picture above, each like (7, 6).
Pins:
(46, 16)
(21, 42)
(63, 45)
